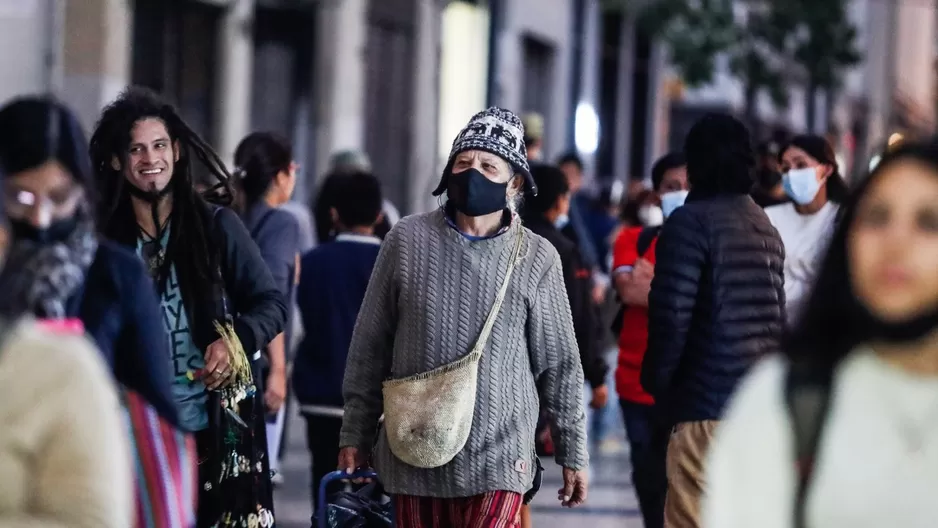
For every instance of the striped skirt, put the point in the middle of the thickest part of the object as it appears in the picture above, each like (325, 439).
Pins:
(495, 509)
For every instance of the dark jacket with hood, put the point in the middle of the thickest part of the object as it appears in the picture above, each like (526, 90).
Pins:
(717, 304)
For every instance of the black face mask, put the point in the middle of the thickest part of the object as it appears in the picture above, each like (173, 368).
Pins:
(57, 231)
(768, 179)
(472, 194)
(906, 331)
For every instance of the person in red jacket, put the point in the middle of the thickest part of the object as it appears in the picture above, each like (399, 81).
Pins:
(633, 268)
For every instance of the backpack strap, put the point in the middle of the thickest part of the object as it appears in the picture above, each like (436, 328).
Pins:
(645, 237)
(808, 398)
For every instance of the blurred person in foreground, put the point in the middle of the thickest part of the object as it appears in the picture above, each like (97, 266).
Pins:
(840, 429)
(64, 451)
(59, 266)
(464, 332)
(266, 176)
(633, 270)
(813, 182)
(716, 303)
(332, 287)
(220, 305)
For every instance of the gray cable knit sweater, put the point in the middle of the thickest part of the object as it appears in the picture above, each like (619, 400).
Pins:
(427, 301)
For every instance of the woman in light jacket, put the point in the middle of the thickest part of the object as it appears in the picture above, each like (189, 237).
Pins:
(843, 430)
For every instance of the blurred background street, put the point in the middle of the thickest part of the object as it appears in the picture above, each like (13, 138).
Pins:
(619, 81)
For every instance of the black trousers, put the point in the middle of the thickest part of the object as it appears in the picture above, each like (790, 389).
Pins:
(648, 448)
(322, 437)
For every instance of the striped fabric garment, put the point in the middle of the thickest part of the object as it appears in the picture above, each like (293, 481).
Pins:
(166, 468)
(495, 509)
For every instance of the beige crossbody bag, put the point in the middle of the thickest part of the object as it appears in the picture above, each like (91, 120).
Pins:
(427, 417)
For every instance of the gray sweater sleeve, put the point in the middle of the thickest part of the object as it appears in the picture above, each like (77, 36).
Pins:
(555, 360)
(369, 356)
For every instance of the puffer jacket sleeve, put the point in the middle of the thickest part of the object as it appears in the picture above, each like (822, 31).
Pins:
(680, 257)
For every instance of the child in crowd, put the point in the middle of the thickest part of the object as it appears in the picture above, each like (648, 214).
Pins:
(333, 280)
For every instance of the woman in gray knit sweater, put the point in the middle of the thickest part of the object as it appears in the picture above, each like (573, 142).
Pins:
(458, 447)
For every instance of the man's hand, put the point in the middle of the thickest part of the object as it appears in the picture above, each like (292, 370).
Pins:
(573, 492)
(635, 285)
(276, 391)
(218, 372)
(643, 270)
(600, 397)
(351, 460)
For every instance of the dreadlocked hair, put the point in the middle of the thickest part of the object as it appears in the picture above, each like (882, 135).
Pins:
(192, 250)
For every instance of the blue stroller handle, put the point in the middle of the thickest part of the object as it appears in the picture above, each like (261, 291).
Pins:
(322, 507)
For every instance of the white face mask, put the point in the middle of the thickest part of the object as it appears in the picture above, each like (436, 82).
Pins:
(802, 185)
(650, 216)
(672, 200)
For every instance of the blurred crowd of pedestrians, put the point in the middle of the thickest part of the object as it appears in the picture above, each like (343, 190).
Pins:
(765, 333)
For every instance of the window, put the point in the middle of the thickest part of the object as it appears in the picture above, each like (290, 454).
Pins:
(173, 42)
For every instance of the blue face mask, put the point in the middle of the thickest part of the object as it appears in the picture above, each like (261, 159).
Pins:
(562, 221)
(801, 185)
(671, 201)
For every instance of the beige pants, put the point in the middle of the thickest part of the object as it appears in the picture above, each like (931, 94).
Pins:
(687, 450)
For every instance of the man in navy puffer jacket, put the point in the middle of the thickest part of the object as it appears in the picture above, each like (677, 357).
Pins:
(716, 305)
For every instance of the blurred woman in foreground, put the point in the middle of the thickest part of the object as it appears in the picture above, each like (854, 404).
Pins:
(59, 266)
(855, 400)
(64, 452)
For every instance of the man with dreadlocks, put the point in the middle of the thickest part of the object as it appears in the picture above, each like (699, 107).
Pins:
(219, 302)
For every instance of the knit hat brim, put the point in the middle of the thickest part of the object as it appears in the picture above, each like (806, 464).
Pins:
(499, 132)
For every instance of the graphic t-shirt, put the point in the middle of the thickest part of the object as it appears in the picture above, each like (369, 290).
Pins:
(190, 393)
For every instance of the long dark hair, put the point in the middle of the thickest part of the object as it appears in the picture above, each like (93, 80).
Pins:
(820, 149)
(259, 158)
(834, 322)
(192, 249)
(35, 130)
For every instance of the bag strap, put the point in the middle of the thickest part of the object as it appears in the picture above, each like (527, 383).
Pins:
(808, 397)
(499, 298)
(645, 237)
(261, 223)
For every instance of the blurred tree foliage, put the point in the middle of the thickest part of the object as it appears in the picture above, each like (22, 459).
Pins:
(764, 40)
(821, 39)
